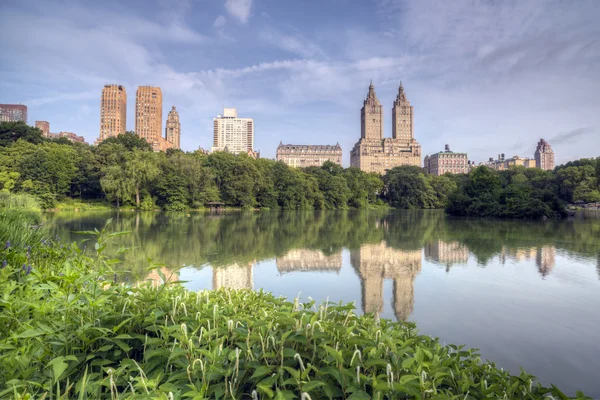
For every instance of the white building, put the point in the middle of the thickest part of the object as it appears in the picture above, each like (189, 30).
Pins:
(233, 134)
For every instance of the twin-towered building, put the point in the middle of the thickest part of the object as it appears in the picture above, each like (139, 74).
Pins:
(148, 116)
(373, 152)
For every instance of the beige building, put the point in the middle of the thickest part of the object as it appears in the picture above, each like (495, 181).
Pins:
(373, 152)
(233, 134)
(503, 163)
(148, 117)
(297, 155)
(173, 128)
(308, 260)
(446, 161)
(113, 111)
(44, 126)
(376, 262)
(544, 156)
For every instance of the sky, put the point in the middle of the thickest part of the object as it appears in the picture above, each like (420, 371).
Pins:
(484, 76)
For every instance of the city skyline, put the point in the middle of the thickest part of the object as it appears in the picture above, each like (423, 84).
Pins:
(486, 77)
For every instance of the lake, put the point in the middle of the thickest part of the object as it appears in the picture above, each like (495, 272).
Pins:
(525, 293)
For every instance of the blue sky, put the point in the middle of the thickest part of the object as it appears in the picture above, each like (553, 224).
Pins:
(485, 77)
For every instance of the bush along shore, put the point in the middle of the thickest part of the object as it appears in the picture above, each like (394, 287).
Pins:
(69, 328)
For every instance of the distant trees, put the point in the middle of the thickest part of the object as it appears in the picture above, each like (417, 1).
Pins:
(126, 172)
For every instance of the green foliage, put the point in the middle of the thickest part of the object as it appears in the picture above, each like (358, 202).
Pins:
(129, 140)
(507, 194)
(19, 227)
(11, 132)
(70, 329)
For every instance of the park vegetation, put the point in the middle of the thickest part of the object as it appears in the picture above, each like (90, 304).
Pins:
(124, 172)
(70, 328)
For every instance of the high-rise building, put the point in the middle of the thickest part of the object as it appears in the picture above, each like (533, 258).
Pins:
(44, 126)
(446, 161)
(113, 111)
(297, 155)
(173, 128)
(373, 152)
(148, 113)
(544, 156)
(233, 134)
(13, 113)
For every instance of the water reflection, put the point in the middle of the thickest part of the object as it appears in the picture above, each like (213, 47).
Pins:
(233, 276)
(308, 260)
(375, 262)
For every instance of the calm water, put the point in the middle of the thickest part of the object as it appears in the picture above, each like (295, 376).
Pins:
(525, 293)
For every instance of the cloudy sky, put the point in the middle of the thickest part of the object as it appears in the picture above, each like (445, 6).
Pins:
(484, 76)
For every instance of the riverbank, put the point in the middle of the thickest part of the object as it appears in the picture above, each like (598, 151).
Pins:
(71, 327)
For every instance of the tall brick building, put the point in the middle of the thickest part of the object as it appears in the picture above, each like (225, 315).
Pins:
(113, 111)
(13, 113)
(44, 126)
(148, 113)
(373, 152)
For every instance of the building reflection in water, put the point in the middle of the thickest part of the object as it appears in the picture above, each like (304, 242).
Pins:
(308, 260)
(156, 280)
(446, 253)
(233, 276)
(545, 257)
(376, 262)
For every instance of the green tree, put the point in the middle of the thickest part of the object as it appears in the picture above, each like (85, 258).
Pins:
(11, 132)
(117, 184)
(141, 168)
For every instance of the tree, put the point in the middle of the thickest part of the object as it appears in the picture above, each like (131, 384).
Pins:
(117, 184)
(11, 132)
(142, 168)
(130, 140)
(407, 187)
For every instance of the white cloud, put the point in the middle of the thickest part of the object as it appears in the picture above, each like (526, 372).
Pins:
(220, 22)
(295, 44)
(240, 9)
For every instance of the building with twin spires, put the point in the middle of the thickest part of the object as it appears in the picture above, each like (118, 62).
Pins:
(375, 153)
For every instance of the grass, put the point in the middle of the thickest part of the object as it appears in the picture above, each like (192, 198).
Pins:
(80, 205)
(21, 201)
(69, 328)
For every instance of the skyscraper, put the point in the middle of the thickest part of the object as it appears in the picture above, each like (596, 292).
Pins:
(233, 134)
(13, 113)
(148, 113)
(544, 156)
(113, 111)
(373, 152)
(44, 126)
(173, 128)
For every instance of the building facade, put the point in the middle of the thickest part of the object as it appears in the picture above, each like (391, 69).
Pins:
(544, 156)
(373, 152)
(233, 134)
(113, 111)
(503, 163)
(173, 128)
(13, 113)
(148, 117)
(44, 126)
(296, 155)
(446, 161)
(148, 113)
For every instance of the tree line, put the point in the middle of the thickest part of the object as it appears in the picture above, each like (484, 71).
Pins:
(124, 171)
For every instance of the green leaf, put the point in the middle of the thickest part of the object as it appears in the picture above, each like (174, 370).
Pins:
(59, 366)
(360, 395)
(312, 385)
(260, 372)
(408, 362)
(31, 333)
(407, 378)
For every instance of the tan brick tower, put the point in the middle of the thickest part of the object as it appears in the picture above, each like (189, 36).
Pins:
(113, 111)
(371, 116)
(173, 128)
(148, 113)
